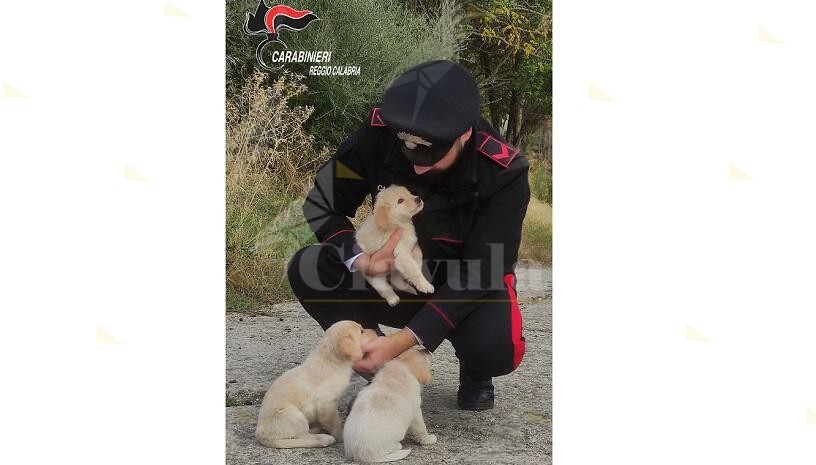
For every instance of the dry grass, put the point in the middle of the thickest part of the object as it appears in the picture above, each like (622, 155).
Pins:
(267, 155)
(536, 233)
(540, 177)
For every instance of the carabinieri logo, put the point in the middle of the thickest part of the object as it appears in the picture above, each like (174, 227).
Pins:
(271, 21)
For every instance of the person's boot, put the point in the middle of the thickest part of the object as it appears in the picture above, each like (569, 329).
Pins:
(475, 390)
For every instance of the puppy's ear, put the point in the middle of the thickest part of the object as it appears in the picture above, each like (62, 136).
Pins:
(381, 215)
(423, 374)
(350, 348)
(418, 365)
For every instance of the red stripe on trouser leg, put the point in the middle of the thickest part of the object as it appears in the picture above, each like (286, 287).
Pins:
(519, 344)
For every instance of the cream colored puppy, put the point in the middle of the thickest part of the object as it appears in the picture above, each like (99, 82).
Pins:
(393, 208)
(388, 409)
(307, 394)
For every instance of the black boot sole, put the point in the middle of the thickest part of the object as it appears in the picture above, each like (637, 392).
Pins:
(475, 405)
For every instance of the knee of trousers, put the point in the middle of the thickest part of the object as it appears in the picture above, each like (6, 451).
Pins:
(498, 348)
(308, 265)
(492, 359)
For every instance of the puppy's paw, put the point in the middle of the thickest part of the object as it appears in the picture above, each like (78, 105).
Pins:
(427, 440)
(392, 301)
(425, 287)
(401, 285)
(409, 289)
(326, 440)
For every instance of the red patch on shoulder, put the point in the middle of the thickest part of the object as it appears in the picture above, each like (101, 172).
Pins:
(376, 119)
(494, 149)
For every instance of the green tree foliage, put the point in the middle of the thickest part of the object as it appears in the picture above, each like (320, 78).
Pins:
(510, 52)
(382, 37)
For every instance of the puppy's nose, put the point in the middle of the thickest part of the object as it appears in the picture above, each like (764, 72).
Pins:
(417, 200)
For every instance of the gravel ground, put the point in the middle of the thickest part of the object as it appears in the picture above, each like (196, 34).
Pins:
(518, 430)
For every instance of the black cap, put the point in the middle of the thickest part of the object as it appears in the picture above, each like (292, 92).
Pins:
(428, 107)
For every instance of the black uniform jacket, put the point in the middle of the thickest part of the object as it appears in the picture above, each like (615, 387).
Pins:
(469, 229)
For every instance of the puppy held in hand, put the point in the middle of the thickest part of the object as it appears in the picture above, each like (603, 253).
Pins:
(393, 208)
(305, 397)
(388, 409)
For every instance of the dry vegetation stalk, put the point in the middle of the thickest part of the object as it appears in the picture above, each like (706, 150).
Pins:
(267, 157)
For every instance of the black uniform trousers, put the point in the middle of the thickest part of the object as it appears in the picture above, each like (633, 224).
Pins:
(483, 341)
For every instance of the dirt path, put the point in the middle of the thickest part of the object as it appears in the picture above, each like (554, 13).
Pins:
(517, 431)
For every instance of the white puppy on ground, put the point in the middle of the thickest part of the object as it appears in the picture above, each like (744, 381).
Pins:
(304, 399)
(388, 409)
(393, 208)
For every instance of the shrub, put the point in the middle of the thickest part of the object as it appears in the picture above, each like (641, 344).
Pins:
(267, 156)
(541, 179)
(536, 233)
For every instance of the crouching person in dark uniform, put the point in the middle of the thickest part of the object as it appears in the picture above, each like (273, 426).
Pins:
(428, 136)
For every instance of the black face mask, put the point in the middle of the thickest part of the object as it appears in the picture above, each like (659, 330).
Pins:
(426, 157)
(434, 178)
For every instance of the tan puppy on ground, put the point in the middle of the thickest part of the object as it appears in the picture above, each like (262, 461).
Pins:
(307, 394)
(388, 409)
(393, 208)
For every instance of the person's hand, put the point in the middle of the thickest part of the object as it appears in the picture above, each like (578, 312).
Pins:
(381, 261)
(378, 352)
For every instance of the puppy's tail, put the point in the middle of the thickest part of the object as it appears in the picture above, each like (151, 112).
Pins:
(394, 456)
(308, 440)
